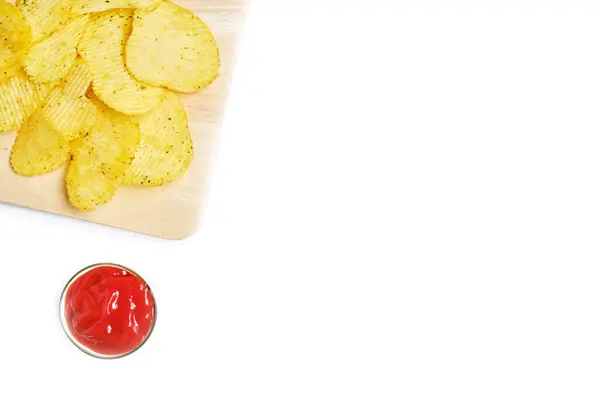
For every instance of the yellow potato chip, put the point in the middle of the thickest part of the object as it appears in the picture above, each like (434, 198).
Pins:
(114, 152)
(45, 16)
(166, 149)
(88, 6)
(67, 108)
(15, 40)
(88, 187)
(52, 58)
(103, 48)
(78, 80)
(70, 116)
(38, 148)
(172, 47)
(19, 98)
(101, 158)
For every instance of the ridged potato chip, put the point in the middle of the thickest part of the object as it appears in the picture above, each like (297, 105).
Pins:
(45, 16)
(101, 159)
(38, 148)
(52, 58)
(166, 149)
(114, 153)
(170, 46)
(19, 98)
(103, 48)
(79, 79)
(15, 40)
(88, 187)
(67, 108)
(88, 6)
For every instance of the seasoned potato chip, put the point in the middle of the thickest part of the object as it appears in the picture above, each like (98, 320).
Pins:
(79, 79)
(103, 48)
(67, 108)
(15, 40)
(70, 116)
(38, 148)
(45, 16)
(52, 58)
(101, 158)
(88, 187)
(88, 6)
(19, 98)
(172, 47)
(114, 152)
(166, 149)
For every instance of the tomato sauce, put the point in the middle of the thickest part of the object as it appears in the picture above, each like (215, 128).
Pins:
(108, 310)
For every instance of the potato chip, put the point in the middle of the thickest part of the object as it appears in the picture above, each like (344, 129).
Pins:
(166, 149)
(114, 152)
(67, 108)
(103, 48)
(101, 158)
(70, 116)
(19, 98)
(45, 16)
(172, 47)
(52, 58)
(88, 187)
(79, 78)
(88, 6)
(38, 148)
(15, 40)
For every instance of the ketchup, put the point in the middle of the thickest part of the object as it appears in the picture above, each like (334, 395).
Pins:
(108, 310)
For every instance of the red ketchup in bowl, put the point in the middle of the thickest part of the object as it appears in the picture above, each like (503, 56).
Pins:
(108, 311)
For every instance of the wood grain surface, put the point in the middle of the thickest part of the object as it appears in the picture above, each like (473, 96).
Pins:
(171, 211)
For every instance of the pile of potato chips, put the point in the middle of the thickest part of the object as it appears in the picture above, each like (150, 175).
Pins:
(92, 83)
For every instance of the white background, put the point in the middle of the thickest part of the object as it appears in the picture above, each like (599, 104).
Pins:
(406, 205)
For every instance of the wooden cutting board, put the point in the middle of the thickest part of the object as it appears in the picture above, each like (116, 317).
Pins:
(171, 211)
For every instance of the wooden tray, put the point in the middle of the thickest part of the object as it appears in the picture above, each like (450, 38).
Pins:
(171, 211)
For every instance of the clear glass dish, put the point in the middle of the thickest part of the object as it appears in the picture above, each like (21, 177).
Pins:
(65, 325)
